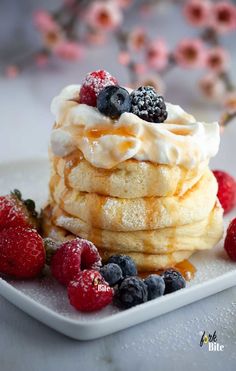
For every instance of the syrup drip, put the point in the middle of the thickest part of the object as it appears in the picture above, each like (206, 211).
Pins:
(99, 132)
(186, 268)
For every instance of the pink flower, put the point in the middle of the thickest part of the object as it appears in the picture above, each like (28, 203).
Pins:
(52, 38)
(137, 39)
(124, 3)
(157, 55)
(223, 17)
(197, 12)
(69, 50)
(44, 22)
(41, 59)
(217, 59)
(104, 15)
(190, 53)
(12, 71)
(152, 80)
(140, 68)
(124, 58)
(212, 87)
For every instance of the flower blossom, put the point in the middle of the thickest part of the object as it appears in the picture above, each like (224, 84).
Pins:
(157, 55)
(190, 53)
(44, 22)
(69, 50)
(137, 39)
(104, 15)
(217, 59)
(12, 71)
(223, 16)
(124, 58)
(212, 87)
(197, 12)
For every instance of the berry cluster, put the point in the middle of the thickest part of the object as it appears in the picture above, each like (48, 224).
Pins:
(101, 90)
(130, 290)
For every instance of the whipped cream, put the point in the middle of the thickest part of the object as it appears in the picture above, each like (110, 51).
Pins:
(180, 140)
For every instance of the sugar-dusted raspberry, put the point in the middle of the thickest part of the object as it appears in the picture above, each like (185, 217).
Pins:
(230, 240)
(226, 190)
(93, 84)
(89, 291)
(72, 257)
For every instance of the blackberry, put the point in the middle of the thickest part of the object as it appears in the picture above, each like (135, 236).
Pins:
(155, 285)
(112, 273)
(148, 105)
(173, 280)
(126, 264)
(132, 291)
(112, 101)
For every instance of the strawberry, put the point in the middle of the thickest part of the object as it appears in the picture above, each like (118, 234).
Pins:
(72, 257)
(14, 211)
(89, 291)
(230, 240)
(93, 84)
(22, 253)
(226, 191)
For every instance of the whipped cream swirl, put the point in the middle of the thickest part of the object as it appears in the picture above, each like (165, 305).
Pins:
(180, 140)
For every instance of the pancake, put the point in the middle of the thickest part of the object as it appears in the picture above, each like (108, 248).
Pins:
(144, 262)
(151, 262)
(148, 213)
(197, 236)
(129, 179)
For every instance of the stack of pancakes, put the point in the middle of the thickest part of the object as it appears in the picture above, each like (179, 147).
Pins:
(157, 214)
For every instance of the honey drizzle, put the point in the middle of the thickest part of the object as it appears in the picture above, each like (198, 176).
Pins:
(71, 162)
(99, 132)
(186, 268)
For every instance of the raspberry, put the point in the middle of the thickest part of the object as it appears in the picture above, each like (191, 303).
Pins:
(22, 253)
(226, 190)
(146, 104)
(16, 212)
(230, 240)
(72, 257)
(93, 83)
(89, 291)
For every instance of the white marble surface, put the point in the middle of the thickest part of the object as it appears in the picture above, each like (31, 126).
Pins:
(170, 342)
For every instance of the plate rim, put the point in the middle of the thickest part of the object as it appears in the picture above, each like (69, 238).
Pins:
(87, 329)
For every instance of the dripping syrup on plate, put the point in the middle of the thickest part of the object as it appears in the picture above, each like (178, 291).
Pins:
(186, 268)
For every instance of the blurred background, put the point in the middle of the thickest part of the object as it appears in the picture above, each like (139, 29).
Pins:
(185, 49)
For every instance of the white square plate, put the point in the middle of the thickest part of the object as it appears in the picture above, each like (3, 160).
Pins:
(47, 301)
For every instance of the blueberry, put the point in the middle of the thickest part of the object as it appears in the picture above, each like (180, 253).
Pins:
(173, 280)
(112, 273)
(132, 291)
(126, 264)
(113, 101)
(155, 285)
